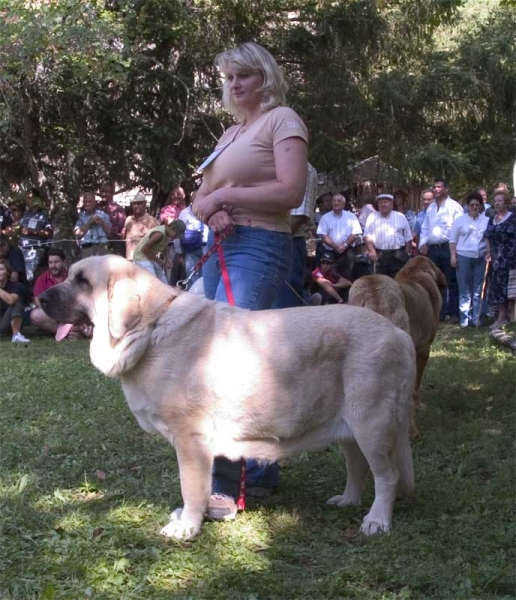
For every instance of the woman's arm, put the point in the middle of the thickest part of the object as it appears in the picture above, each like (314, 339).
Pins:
(453, 254)
(8, 298)
(284, 193)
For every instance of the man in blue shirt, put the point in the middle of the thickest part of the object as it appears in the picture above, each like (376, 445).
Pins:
(92, 228)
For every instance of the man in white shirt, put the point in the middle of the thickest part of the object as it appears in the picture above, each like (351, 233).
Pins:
(291, 293)
(339, 230)
(435, 243)
(387, 237)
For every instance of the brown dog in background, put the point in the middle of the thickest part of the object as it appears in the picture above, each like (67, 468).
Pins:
(412, 301)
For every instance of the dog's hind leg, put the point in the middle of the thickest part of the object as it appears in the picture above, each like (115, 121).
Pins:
(356, 473)
(380, 455)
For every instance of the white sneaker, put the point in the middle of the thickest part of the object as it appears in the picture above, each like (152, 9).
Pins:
(19, 338)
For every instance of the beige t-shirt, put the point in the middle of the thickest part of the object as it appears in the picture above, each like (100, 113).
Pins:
(248, 161)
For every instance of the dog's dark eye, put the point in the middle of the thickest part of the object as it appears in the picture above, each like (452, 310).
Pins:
(81, 279)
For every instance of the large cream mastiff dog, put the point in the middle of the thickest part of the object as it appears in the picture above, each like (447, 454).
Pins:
(215, 380)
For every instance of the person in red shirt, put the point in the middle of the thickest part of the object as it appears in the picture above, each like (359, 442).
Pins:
(56, 273)
(333, 288)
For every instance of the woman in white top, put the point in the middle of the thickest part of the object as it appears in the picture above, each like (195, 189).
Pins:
(467, 255)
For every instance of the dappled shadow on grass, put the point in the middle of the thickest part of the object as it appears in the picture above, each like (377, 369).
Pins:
(99, 489)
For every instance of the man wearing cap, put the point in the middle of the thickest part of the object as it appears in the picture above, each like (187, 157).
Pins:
(137, 224)
(388, 237)
(333, 287)
(92, 228)
(339, 230)
(435, 242)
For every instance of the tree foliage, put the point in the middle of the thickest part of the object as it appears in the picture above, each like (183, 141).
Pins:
(126, 89)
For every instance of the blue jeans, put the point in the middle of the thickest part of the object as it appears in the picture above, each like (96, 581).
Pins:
(440, 256)
(153, 268)
(257, 261)
(192, 257)
(286, 298)
(470, 276)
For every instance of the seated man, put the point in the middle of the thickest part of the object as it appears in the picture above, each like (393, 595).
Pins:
(333, 287)
(56, 273)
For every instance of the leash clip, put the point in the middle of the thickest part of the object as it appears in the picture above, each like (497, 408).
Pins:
(183, 283)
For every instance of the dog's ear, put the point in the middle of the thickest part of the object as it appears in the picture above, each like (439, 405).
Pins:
(440, 279)
(124, 306)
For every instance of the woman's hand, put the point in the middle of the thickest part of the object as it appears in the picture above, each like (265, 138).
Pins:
(207, 206)
(220, 221)
(453, 261)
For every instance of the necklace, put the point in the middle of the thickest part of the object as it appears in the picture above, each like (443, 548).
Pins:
(247, 124)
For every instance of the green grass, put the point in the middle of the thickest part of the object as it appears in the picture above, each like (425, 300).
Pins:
(83, 494)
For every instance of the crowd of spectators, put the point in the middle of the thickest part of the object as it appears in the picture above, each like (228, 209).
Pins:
(474, 244)
(31, 262)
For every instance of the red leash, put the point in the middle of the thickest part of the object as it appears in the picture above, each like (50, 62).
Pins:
(219, 238)
(231, 300)
(224, 269)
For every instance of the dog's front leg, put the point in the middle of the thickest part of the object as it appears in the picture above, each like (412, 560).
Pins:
(195, 466)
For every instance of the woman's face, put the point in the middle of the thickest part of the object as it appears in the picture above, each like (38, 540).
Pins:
(16, 211)
(474, 208)
(245, 87)
(177, 197)
(399, 204)
(499, 203)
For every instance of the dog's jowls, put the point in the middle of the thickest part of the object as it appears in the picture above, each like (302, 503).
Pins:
(221, 381)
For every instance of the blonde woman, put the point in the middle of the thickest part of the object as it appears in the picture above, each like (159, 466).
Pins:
(255, 176)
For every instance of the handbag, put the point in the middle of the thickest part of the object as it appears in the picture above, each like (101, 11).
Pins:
(192, 240)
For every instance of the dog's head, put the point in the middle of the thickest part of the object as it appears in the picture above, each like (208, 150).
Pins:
(120, 299)
(422, 264)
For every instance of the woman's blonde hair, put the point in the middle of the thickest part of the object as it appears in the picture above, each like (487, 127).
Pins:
(254, 58)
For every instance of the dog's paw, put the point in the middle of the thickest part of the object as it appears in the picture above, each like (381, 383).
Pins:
(344, 500)
(180, 529)
(374, 527)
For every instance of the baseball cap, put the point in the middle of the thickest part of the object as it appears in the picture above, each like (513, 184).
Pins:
(327, 257)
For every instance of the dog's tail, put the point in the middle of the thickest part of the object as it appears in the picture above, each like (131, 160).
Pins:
(404, 463)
